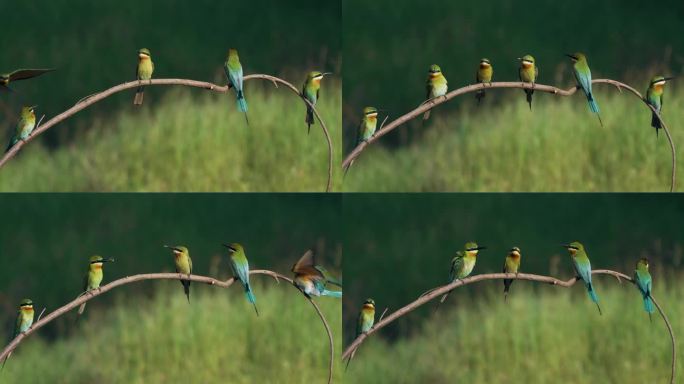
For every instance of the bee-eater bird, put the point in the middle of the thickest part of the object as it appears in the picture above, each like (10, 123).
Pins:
(580, 261)
(311, 279)
(582, 73)
(654, 97)
(528, 73)
(483, 75)
(20, 74)
(642, 279)
(183, 265)
(462, 265)
(436, 85)
(240, 267)
(26, 124)
(364, 323)
(23, 322)
(93, 277)
(233, 70)
(143, 72)
(366, 128)
(511, 265)
(310, 91)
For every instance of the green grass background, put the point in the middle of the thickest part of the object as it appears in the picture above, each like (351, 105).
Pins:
(502, 146)
(147, 332)
(94, 45)
(398, 246)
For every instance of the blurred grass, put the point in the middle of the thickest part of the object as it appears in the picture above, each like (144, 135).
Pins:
(559, 146)
(161, 339)
(191, 141)
(544, 335)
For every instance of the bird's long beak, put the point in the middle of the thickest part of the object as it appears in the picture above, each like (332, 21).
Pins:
(229, 247)
(571, 56)
(670, 78)
(171, 248)
(566, 246)
(108, 260)
(326, 73)
(33, 107)
(519, 58)
(481, 247)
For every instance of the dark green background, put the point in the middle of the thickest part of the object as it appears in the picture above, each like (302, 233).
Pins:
(398, 246)
(93, 45)
(389, 46)
(46, 240)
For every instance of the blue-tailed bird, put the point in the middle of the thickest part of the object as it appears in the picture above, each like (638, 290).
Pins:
(462, 265)
(528, 73)
(25, 125)
(436, 86)
(23, 322)
(312, 279)
(582, 73)
(483, 75)
(364, 323)
(511, 265)
(654, 97)
(240, 267)
(181, 257)
(642, 279)
(93, 277)
(580, 261)
(233, 70)
(310, 91)
(143, 71)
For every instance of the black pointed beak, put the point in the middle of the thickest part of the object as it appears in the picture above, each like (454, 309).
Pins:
(571, 56)
(171, 248)
(229, 247)
(326, 73)
(110, 260)
(670, 78)
(566, 246)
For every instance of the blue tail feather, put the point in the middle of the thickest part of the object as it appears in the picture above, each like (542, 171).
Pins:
(592, 294)
(249, 294)
(648, 304)
(241, 101)
(592, 104)
(326, 292)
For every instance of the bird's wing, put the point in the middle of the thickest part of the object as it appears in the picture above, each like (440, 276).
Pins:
(307, 261)
(536, 72)
(21, 74)
(583, 270)
(190, 264)
(239, 76)
(328, 277)
(456, 266)
(242, 270)
(584, 80)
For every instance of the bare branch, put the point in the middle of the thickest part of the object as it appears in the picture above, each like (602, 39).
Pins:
(429, 104)
(159, 276)
(94, 98)
(439, 291)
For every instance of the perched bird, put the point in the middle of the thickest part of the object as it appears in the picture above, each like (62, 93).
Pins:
(462, 265)
(143, 72)
(483, 75)
(20, 74)
(654, 97)
(26, 124)
(366, 129)
(436, 85)
(240, 267)
(364, 322)
(311, 279)
(511, 265)
(310, 90)
(583, 75)
(23, 322)
(183, 265)
(93, 277)
(528, 73)
(642, 279)
(580, 261)
(233, 70)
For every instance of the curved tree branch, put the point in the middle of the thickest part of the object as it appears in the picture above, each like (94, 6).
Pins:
(159, 276)
(94, 98)
(428, 105)
(439, 291)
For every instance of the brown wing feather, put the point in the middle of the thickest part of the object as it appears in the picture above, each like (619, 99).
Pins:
(21, 74)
